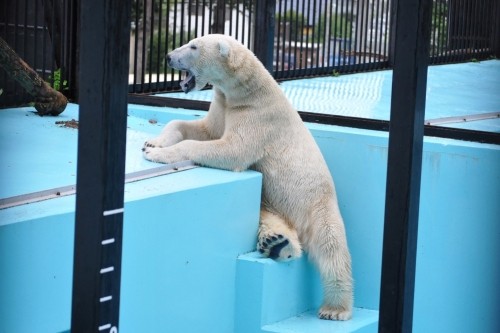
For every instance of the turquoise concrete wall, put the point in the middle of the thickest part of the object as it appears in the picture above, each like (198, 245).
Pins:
(459, 225)
(180, 251)
(459, 238)
(36, 259)
(458, 272)
(182, 235)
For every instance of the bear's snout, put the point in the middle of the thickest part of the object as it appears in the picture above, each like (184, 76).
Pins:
(168, 58)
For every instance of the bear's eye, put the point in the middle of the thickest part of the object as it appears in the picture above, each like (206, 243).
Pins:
(193, 47)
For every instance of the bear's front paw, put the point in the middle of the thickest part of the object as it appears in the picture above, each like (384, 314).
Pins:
(278, 247)
(153, 143)
(161, 155)
(334, 313)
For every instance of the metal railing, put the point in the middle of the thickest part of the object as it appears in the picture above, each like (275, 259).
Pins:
(293, 38)
(323, 37)
(310, 37)
(463, 30)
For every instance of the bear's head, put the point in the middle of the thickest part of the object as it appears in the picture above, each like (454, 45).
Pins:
(205, 60)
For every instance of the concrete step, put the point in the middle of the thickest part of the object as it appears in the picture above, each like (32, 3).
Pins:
(284, 297)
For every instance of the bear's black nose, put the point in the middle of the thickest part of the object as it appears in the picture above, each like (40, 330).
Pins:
(168, 58)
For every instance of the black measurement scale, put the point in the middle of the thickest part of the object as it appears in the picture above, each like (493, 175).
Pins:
(103, 85)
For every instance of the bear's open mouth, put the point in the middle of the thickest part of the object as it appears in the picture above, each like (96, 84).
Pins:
(189, 82)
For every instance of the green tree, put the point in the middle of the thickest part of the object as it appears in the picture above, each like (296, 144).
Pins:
(161, 46)
(340, 27)
(439, 34)
(295, 22)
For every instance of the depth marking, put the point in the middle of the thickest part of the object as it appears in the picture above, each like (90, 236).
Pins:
(106, 299)
(112, 211)
(108, 241)
(107, 270)
(104, 327)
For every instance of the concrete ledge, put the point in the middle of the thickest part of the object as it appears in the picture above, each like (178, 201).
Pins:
(363, 321)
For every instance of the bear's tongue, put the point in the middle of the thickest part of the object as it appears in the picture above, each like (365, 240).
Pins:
(188, 83)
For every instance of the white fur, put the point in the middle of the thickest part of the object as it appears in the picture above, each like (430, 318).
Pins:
(252, 125)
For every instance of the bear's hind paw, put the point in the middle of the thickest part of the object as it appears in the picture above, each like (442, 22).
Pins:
(333, 313)
(278, 247)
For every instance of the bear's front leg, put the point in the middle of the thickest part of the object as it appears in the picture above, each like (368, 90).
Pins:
(276, 239)
(177, 131)
(170, 135)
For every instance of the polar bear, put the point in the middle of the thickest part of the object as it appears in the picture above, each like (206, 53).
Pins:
(252, 125)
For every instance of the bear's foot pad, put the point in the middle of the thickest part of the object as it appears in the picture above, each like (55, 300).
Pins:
(277, 247)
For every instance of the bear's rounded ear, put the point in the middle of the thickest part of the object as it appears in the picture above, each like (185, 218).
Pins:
(225, 51)
(224, 48)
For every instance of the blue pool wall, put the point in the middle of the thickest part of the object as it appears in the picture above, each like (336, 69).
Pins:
(181, 241)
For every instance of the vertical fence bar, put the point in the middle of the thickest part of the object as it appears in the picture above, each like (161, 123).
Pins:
(337, 29)
(159, 42)
(308, 50)
(264, 29)
(412, 34)
(136, 45)
(383, 31)
(150, 45)
(220, 15)
(475, 37)
(298, 34)
(243, 24)
(495, 37)
(104, 50)
(73, 48)
(280, 44)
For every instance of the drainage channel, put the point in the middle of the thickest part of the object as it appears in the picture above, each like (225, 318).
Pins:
(71, 189)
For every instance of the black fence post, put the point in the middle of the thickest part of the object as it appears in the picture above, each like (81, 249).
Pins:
(495, 37)
(264, 32)
(220, 18)
(104, 58)
(71, 49)
(411, 58)
(392, 32)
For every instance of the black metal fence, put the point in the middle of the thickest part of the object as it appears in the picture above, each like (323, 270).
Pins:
(308, 37)
(294, 38)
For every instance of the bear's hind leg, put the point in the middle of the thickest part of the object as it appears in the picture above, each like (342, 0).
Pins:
(277, 240)
(328, 250)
